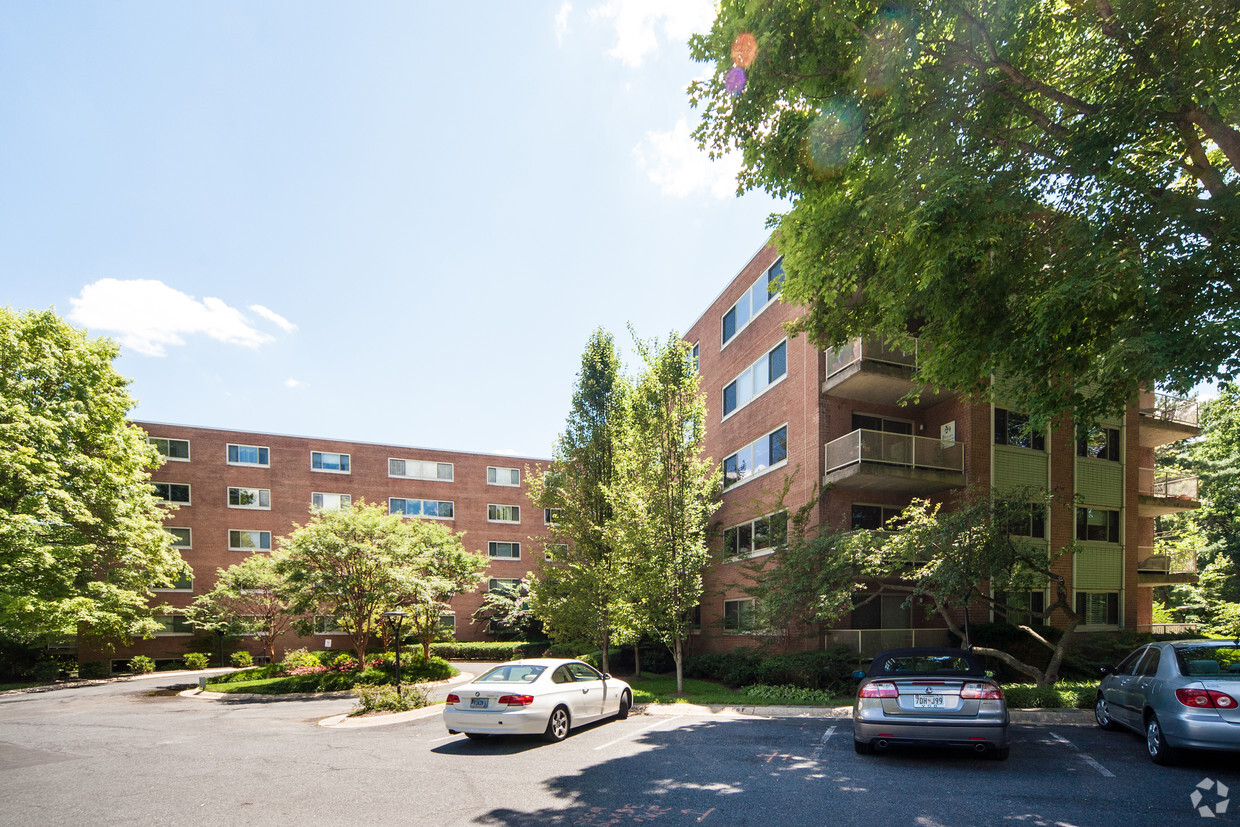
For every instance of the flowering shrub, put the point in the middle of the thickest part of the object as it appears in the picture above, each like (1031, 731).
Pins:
(297, 671)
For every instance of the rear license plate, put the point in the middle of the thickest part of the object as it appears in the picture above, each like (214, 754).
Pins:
(928, 701)
(477, 703)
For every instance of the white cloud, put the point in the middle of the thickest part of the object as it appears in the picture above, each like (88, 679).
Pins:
(147, 316)
(673, 161)
(637, 22)
(292, 383)
(561, 22)
(273, 316)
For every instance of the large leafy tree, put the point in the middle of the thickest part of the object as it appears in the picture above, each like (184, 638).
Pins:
(664, 493)
(1043, 191)
(582, 594)
(356, 563)
(81, 537)
(248, 598)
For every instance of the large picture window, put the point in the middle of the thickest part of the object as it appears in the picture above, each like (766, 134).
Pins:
(504, 551)
(760, 294)
(1097, 524)
(328, 461)
(172, 492)
(248, 455)
(249, 498)
(171, 449)
(1013, 429)
(756, 536)
(503, 513)
(416, 469)
(755, 379)
(757, 457)
(430, 509)
(1097, 442)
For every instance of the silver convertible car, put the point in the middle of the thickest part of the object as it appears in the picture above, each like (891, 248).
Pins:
(932, 697)
(1179, 695)
(527, 697)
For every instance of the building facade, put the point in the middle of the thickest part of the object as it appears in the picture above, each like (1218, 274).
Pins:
(235, 493)
(784, 416)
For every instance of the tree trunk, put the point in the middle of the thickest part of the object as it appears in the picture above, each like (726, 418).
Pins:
(602, 659)
(637, 660)
(678, 655)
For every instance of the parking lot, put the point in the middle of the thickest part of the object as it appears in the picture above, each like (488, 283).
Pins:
(135, 753)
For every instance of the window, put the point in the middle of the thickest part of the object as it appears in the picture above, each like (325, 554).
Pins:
(757, 536)
(506, 551)
(551, 516)
(1013, 429)
(173, 625)
(757, 457)
(739, 615)
(447, 623)
(503, 513)
(249, 498)
(242, 540)
(414, 469)
(327, 625)
(867, 422)
(1098, 608)
(1097, 524)
(874, 517)
(172, 492)
(325, 461)
(429, 509)
(330, 502)
(555, 551)
(886, 611)
(171, 449)
(1021, 607)
(1098, 443)
(181, 537)
(247, 455)
(755, 379)
(761, 293)
(495, 582)
(503, 476)
(1033, 524)
(695, 354)
(185, 583)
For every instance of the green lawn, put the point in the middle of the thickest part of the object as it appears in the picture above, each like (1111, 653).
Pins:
(7, 686)
(661, 689)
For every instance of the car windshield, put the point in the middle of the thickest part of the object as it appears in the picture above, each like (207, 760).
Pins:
(1213, 662)
(512, 673)
(923, 664)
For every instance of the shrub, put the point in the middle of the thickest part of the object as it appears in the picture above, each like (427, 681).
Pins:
(91, 669)
(45, 671)
(484, 650)
(241, 659)
(1063, 695)
(384, 698)
(829, 669)
(141, 665)
(255, 673)
(301, 657)
(790, 694)
(197, 660)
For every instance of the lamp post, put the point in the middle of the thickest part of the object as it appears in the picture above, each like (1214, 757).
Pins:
(395, 619)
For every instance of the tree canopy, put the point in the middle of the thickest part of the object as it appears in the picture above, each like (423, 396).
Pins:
(81, 535)
(248, 598)
(1042, 191)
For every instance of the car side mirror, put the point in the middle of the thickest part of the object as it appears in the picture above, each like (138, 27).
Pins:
(606, 676)
(1107, 669)
(859, 674)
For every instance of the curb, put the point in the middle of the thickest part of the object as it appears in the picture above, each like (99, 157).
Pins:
(1078, 717)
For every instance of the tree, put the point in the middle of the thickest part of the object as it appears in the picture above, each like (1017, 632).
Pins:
(248, 598)
(581, 594)
(507, 613)
(358, 562)
(950, 559)
(81, 535)
(664, 494)
(1046, 192)
(446, 569)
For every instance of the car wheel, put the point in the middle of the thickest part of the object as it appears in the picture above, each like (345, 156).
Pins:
(999, 753)
(625, 703)
(557, 725)
(863, 747)
(477, 736)
(1102, 714)
(1156, 743)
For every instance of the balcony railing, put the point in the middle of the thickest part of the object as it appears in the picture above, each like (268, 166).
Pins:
(1168, 486)
(894, 449)
(859, 350)
(872, 641)
(1167, 628)
(1168, 408)
(1160, 560)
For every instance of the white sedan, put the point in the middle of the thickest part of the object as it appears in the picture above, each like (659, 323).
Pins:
(526, 697)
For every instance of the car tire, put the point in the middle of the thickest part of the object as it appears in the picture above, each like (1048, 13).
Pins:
(1102, 714)
(477, 736)
(863, 747)
(999, 753)
(625, 703)
(1156, 745)
(557, 725)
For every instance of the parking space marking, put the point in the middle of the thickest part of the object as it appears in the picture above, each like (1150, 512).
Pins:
(673, 718)
(1087, 758)
(822, 742)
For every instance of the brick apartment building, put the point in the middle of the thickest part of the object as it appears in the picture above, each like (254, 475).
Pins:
(236, 492)
(779, 408)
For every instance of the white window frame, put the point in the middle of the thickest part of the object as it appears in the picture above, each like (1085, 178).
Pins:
(173, 588)
(444, 616)
(347, 457)
(549, 515)
(510, 581)
(738, 630)
(171, 528)
(491, 518)
(243, 463)
(771, 297)
(153, 440)
(258, 549)
(168, 632)
(259, 499)
(730, 555)
(494, 544)
(748, 373)
(753, 475)
(420, 464)
(189, 499)
(342, 500)
(422, 508)
(321, 621)
(497, 469)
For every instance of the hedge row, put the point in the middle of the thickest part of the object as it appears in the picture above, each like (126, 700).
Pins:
(829, 669)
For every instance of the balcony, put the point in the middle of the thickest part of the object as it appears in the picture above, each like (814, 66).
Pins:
(1164, 493)
(1165, 566)
(897, 463)
(1166, 419)
(873, 372)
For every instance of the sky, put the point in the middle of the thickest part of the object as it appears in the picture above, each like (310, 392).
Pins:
(383, 222)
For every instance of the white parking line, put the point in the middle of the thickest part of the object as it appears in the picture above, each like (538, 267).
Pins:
(822, 742)
(1088, 759)
(639, 732)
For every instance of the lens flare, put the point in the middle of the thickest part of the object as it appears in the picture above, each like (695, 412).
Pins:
(744, 49)
(833, 136)
(734, 80)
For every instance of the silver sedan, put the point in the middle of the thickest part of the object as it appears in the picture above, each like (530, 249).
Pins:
(1179, 695)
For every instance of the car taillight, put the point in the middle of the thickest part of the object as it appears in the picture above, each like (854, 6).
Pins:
(453, 699)
(516, 700)
(878, 689)
(1205, 698)
(981, 692)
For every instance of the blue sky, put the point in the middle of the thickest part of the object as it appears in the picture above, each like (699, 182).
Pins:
(370, 221)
